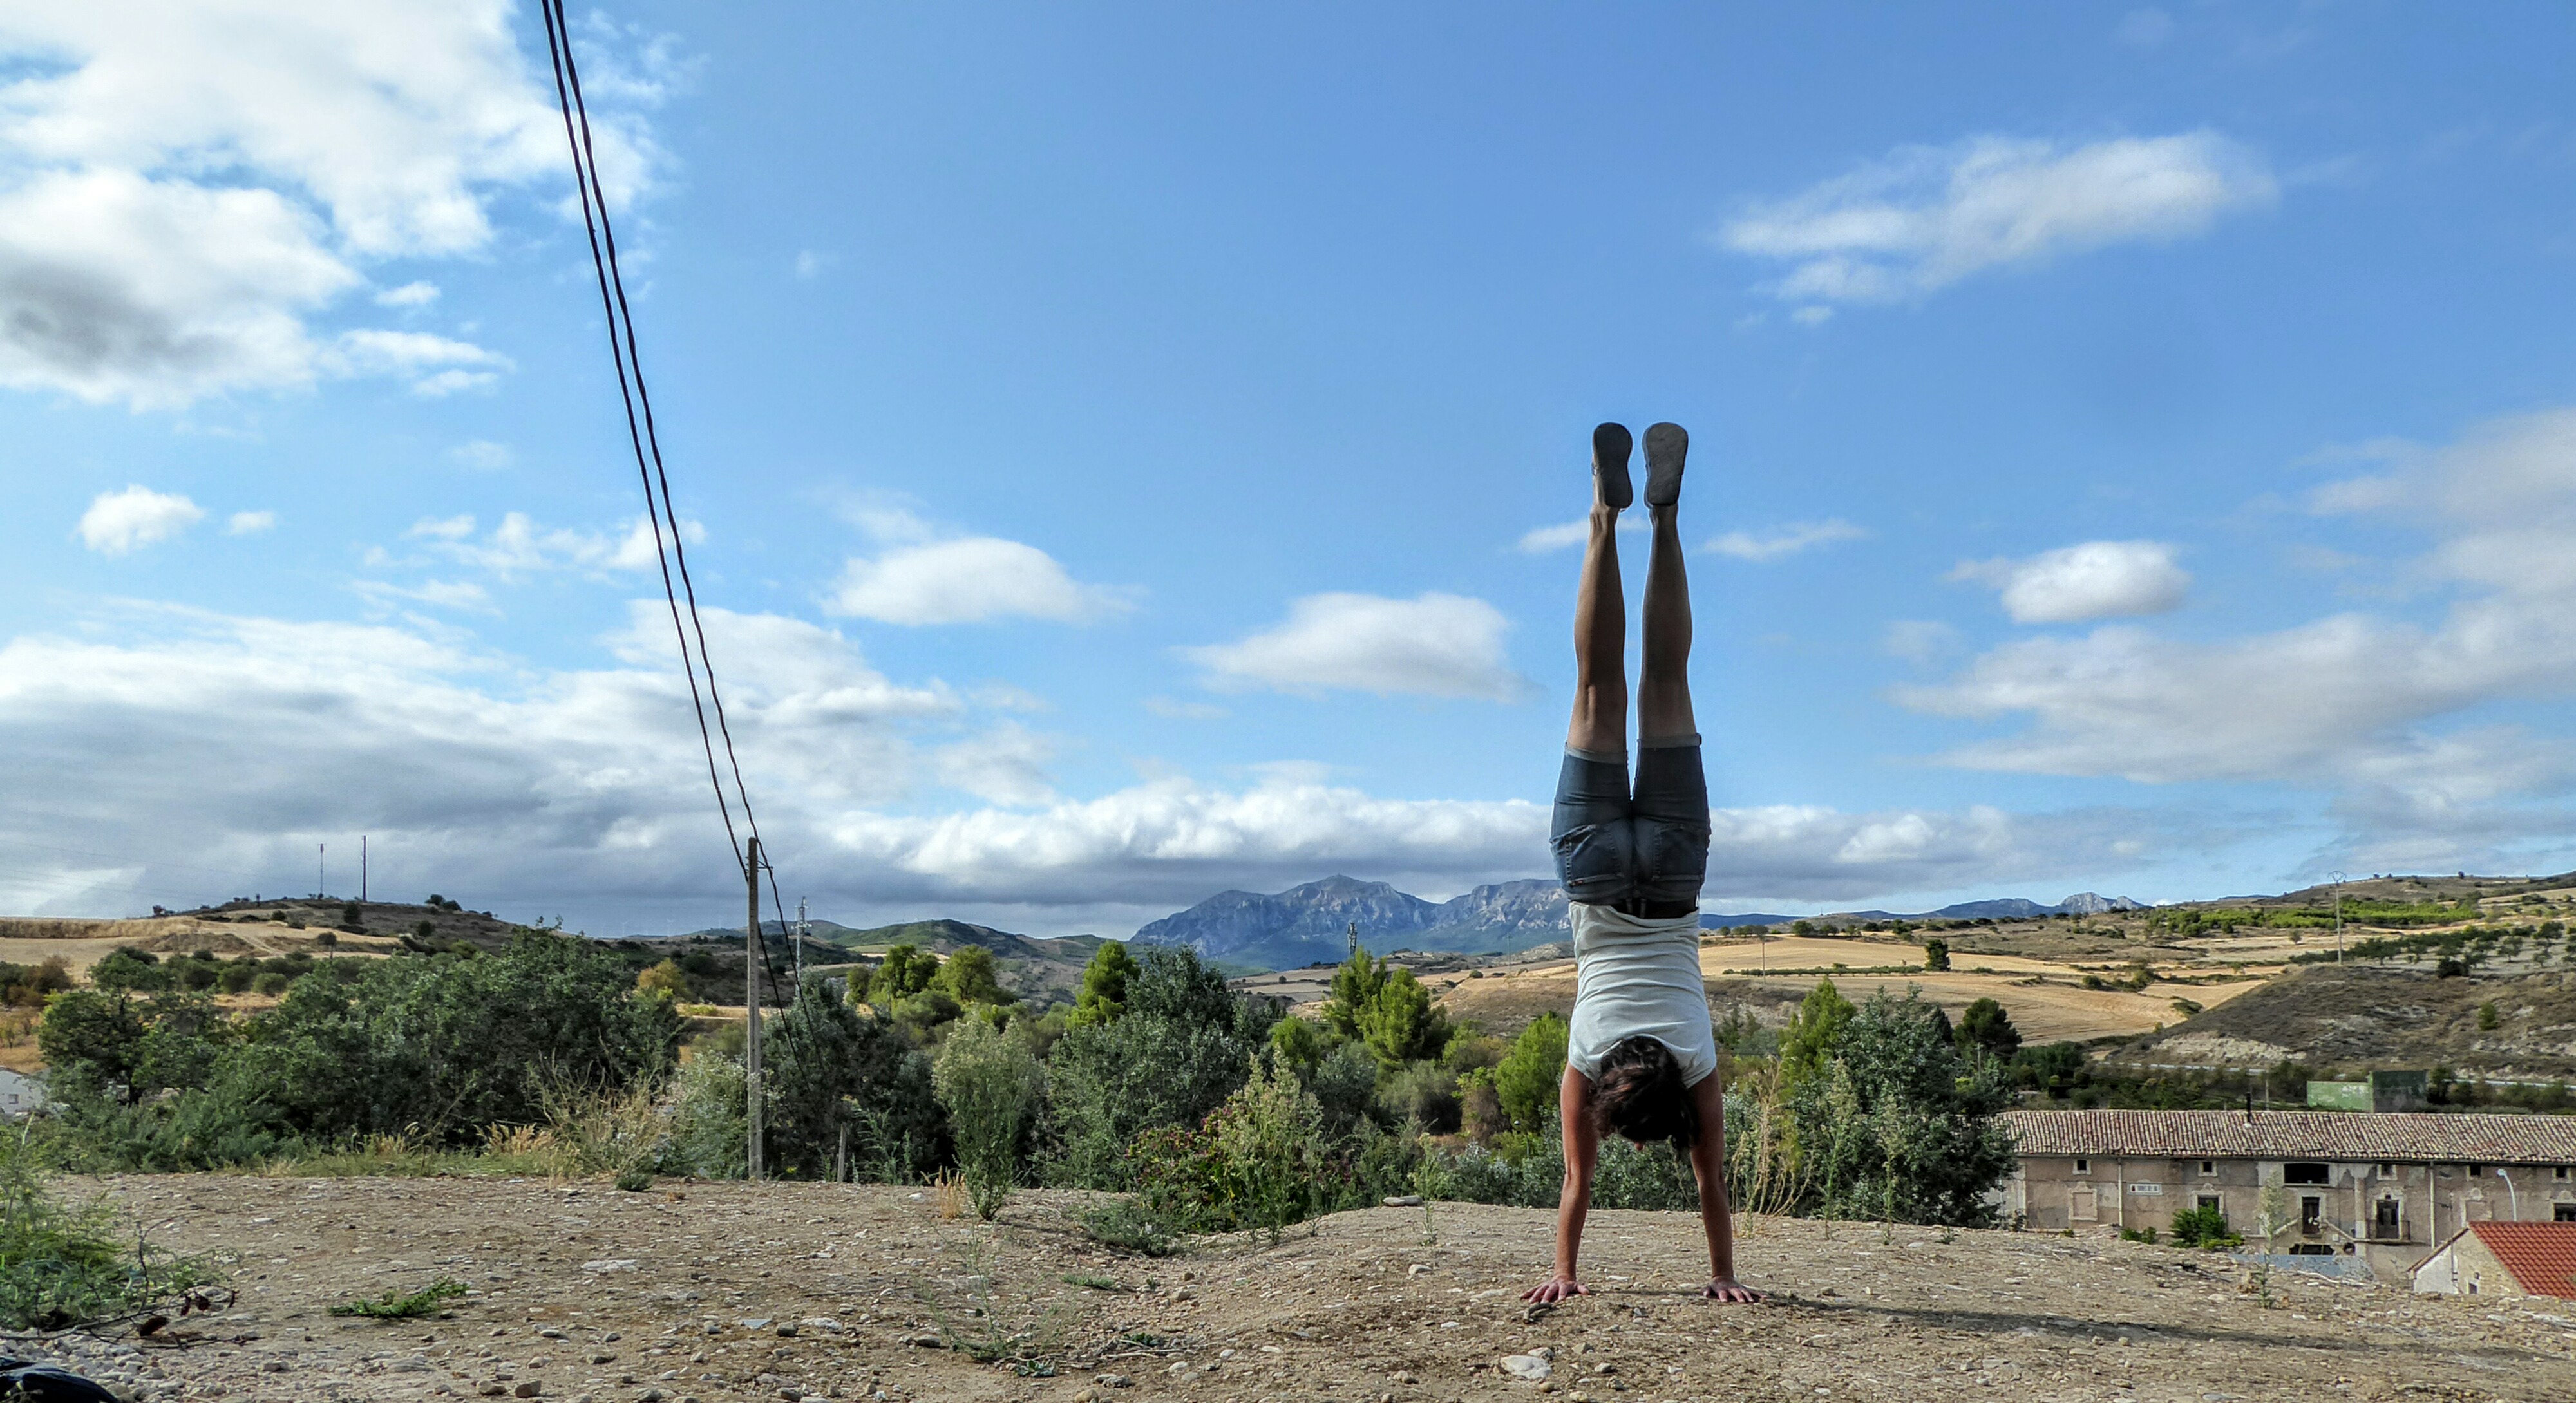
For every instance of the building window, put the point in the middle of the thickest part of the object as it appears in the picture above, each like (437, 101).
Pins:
(2562, 1212)
(2304, 1174)
(2311, 1208)
(2209, 1166)
(2387, 1170)
(2558, 1173)
(2083, 1166)
(2383, 1220)
(2208, 1203)
(2477, 1171)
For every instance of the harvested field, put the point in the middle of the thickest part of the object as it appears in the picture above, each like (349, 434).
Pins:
(588, 1293)
(2046, 998)
(29, 940)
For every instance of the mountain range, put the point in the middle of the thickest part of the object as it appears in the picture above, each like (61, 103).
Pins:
(1307, 924)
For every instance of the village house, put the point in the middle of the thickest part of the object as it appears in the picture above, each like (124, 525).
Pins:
(2387, 1189)
(2503, 1259)
(19, 1094)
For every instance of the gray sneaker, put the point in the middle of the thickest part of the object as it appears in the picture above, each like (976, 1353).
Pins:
(1666, 446)
(1610, 447)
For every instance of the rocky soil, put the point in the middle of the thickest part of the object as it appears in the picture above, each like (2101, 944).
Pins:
(793, 1292)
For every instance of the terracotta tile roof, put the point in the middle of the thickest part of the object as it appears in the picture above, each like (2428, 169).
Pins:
(2326, 1135)
(2541, 1256)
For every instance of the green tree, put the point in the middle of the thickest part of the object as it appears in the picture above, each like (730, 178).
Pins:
(1528, 1079)
(1814, 1031)
(1401, 1024)
(1183, 1045)
(1301, 1044)
(1104, 985)
(1986, 1029)
(973, 976)
(991, 1088)
(833, 1075)
(1354, 991)
(1936, 955)
(2489, 1017)
(1897, 1126)
(905, 971)
(665, 981)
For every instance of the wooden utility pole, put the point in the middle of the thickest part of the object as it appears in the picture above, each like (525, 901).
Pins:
(751, 963)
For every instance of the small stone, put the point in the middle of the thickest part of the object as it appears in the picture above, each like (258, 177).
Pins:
(550, 1333)
(759, 1322)
(1114, 1381)
(1528, 1368)
(1605, 1368)
(495, 1389)
(1403, 1200)
(1417, 1269)
(650, 1395)
(787, 1329)
(529, 1389)
(926, 1341)
(601, 1356)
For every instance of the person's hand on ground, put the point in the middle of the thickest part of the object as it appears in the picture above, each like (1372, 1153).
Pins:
(1727, 1288)
(1555, 1289)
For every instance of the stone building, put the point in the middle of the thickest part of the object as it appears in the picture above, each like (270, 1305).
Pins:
(2385, 1188)
(2503, 1259)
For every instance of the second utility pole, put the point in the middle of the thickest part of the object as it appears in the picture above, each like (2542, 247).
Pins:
(751, 963)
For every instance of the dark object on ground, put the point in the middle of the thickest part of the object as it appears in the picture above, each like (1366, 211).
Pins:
(23, 1381)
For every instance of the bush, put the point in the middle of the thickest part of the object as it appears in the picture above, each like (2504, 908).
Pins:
(1529, 1077)
(2204, 1227)
(991, 1088)
(1129, 1226)
(64, 1267)
(834, 1075)
(1261, 1163)
(269, 984)
(1936, 955)
(1180, 1047)
(1421, 1094)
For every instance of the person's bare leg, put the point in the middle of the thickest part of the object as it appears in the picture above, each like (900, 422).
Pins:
(1663, 675)
(1600, 721)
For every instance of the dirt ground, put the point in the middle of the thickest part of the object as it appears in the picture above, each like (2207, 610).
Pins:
(690, 1292)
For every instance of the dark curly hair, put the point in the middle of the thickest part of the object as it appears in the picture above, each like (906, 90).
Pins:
(1640, 1095)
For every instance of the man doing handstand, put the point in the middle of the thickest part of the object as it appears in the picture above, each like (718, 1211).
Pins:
(1641, 1057)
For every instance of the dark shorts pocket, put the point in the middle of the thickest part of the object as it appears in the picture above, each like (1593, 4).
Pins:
(1596, 862)
(1676, 860)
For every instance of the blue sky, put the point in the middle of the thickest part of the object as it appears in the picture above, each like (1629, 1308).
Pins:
(2133, 448)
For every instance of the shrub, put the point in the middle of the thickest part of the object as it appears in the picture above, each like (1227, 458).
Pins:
(2489, 1018)
(1986, 1028)
(991, 1088)
(1423, 1094)
(1261, 1162)
(61, 1267)
(1182, 1045)
(1936, 955)
(665, 980)
(905, 971)
(1528, 1078)
(834, 1076)
(2204, 1227)
(1129, 1226)
(269, 984)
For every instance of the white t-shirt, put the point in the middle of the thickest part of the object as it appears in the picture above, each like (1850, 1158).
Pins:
(1631, 976)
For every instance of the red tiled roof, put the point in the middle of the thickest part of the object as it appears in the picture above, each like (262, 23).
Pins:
(2541, 1256)
(2328, 1135)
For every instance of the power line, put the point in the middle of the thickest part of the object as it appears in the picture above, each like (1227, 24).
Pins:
(645, 441)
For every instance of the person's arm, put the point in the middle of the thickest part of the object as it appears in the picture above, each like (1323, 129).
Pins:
(1708, 1161)
(1574, 1200)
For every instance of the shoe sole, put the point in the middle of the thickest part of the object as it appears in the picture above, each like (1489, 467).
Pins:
(1666, 446)
(1610, 448)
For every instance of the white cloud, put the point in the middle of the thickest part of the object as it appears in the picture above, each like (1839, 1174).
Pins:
(1540, 540)
(963, 581)
(442, 528)
(2095, 580)
(1437, 645)
(250, 523)
(810, 263)
(435, 365)
(118, 522)
(2381, 713)
(1004, 765)
(1786, 540)
(1926, 217)
(412, 294)
(518, 546)
(482, 454)
(585, 790)
(444, 594)
(189, 185)
(1813, 315)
